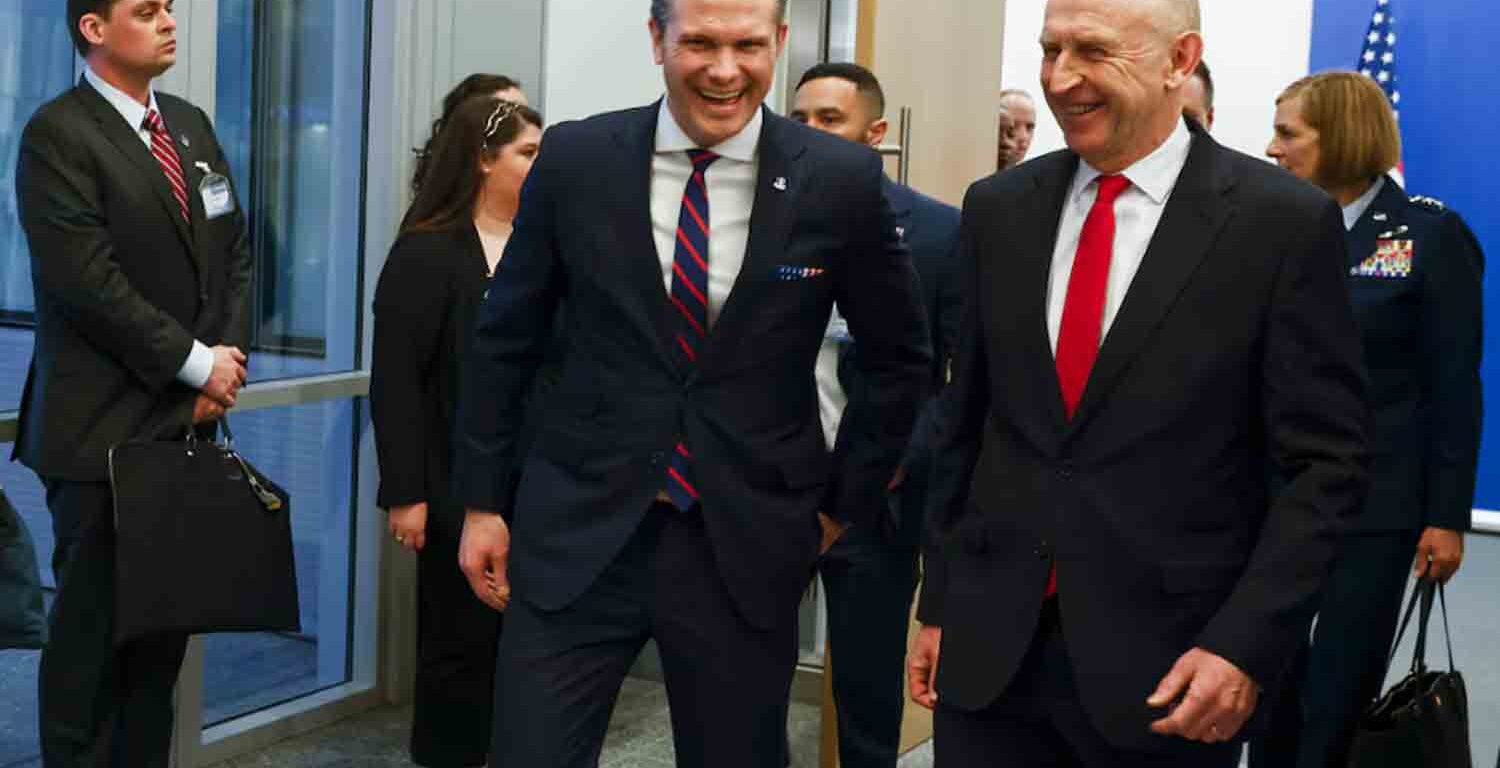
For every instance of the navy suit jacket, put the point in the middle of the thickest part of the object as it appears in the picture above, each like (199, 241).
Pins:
(1421, 328)
(929, 228)
(748, 410)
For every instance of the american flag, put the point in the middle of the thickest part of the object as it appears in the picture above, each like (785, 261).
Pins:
(1377, 60)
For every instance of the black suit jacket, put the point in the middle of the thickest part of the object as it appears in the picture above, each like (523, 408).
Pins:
(123, 284)
(1235, 349)
(748, 410)
(929, 228)
(1421, 329)
(425, 304)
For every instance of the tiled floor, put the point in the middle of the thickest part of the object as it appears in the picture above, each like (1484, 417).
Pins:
(640, 736)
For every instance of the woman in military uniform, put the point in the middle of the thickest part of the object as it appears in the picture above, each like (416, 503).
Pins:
(1415, 276)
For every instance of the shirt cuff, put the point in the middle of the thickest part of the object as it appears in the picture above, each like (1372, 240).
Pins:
(198, 366)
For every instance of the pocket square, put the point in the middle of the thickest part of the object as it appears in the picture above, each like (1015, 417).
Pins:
(1391, 259)
(792, 272)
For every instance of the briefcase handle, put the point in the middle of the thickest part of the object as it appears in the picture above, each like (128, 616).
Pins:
(269, 500)
(1423, 593)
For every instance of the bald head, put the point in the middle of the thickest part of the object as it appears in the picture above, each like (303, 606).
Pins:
(1174, 17)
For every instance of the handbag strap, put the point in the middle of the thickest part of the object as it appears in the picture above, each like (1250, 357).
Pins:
(224, 427)
(1427, 590)
(1447, 634)
(1411, 607)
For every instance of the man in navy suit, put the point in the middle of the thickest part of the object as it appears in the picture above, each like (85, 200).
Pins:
(678, 486)
(871, 573)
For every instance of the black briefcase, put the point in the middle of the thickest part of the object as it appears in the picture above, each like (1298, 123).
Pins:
(203, 541)
(23, 622)
(1424, 719)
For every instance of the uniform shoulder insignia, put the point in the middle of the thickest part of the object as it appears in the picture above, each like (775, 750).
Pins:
(1430, 203)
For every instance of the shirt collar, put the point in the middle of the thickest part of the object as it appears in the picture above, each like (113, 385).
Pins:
(1356, 209)
(130, 109)
(740, 147)
(1155, 174)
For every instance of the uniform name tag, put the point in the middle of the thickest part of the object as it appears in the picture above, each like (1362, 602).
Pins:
(218, 199)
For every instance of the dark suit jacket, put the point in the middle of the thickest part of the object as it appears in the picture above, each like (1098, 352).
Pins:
(930, 230)
(425, 304)
(1234, 350)
(1422, 348)
(748, 410)
(123, 284)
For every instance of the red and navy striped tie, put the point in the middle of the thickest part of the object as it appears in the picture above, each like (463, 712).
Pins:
(690, 296)
(165, 153)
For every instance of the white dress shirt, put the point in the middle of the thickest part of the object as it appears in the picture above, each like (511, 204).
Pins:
(1137, 212)
(731, 197)
(200, 360)
(832, 399)
(1356, 209)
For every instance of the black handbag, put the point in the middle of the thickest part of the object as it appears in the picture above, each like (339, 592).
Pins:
(1424, 719)
(203, 541)
(23, 620)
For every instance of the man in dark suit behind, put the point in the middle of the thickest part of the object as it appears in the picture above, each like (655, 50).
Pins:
(674, 487)
(141, 273)
(871, 573)
(1157, 326)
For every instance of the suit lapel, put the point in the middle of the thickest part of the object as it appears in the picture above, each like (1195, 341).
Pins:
(636, 139)
(1195, 212)
(777, 185)
(177, 122)
(1029, 288)
(1383, 217)
(128, 141)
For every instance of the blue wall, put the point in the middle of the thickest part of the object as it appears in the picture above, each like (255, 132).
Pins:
(1450, 124)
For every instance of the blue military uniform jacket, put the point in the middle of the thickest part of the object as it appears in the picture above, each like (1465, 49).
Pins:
(1416, 280)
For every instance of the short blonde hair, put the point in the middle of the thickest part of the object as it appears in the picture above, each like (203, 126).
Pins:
(1357, 135)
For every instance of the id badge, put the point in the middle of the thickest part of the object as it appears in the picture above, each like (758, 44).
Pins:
(218, 198)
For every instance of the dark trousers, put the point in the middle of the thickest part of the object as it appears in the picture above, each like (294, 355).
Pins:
(100, 705)
(457, 637)
(870, 582)
(1039, 722)
(727, 682)
(1312, 719)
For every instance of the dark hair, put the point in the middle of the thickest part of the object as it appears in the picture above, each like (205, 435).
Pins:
(864, 81)
(1203, 73)
(477, 84)
(478, 128)
(661, 12)
(77, 9)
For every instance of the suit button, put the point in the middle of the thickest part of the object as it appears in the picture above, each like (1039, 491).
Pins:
(1065, 473)
(657, 458)
(203, 296)
(1043, 551)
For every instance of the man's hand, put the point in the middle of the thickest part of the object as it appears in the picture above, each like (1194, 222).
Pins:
(1439, 554)
(206, 409)
(484, 556)
(227, 377)
(408, 524)
(922, 664)
(1208, 698)
(831, 532)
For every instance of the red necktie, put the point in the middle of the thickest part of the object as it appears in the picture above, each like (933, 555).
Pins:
(1083, 309)
(165, 153)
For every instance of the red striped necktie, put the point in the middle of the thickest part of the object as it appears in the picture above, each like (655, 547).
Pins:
(690, 296)
(165, 153)
(1083, 309)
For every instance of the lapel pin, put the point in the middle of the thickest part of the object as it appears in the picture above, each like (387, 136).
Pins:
(183, 139)
(1380, 217)
(779, 184)
(202, 166)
